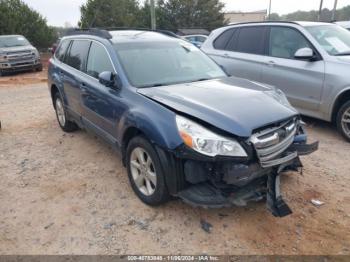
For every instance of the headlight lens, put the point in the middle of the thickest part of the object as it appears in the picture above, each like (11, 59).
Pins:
(279, 96)
(205, 141)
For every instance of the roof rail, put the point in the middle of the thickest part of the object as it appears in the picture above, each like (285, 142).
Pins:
(263, 22)
(161, 31)
(89, 31)
(105, 32)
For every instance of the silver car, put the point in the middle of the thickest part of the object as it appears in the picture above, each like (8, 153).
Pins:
(17, 54)
(308, 61)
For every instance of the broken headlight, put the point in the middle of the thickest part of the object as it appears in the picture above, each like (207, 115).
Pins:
(207, 142)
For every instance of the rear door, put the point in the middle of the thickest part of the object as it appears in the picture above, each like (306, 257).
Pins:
(243, 54)
(73, 74)
(301, 80)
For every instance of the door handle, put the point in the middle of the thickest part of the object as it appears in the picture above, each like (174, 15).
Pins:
(83, 88)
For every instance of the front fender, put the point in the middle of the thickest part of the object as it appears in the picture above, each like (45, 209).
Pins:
(158, 126)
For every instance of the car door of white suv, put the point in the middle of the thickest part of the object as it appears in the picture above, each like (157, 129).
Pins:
(240, 51)
(301, 79)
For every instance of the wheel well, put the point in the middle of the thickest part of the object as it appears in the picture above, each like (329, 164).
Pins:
(343, 98)
(54, 90)
(130, 133)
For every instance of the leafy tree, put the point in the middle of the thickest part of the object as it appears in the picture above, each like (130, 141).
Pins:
(18, 18)
(274, 17)
(110, 13)
(191, 14)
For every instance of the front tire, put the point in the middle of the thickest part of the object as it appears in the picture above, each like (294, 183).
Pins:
(343, 121)
(145, 172)
(61, 114)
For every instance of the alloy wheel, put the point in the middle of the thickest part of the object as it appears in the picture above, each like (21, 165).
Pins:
(143, 171)
(60, 112)
(345, 122)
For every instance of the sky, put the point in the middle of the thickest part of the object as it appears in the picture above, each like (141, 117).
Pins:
(60, 12)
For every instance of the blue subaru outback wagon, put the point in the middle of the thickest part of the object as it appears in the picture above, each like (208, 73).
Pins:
(183, 126)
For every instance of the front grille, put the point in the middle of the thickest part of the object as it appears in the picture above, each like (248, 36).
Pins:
(20, 56)
(270, 144)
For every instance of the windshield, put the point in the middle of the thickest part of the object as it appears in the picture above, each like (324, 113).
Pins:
(11, 41)
(334, 39)
(155, 64)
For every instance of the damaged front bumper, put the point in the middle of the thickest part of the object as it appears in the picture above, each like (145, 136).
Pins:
(224, 183)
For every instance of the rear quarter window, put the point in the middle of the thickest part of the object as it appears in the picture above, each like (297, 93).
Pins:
(62, 50)
(221, 41)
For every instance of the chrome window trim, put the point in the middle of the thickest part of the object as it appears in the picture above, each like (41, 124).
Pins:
(91, 40)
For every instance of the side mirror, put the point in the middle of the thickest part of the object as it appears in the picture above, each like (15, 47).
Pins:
(304, 53)
(109, 79)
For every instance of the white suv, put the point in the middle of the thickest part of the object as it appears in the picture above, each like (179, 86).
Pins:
(308, 61)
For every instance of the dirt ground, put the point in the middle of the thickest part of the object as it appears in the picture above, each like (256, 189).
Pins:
(69, 194)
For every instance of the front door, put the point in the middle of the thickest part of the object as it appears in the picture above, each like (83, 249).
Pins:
(101, 104)
(301, 80)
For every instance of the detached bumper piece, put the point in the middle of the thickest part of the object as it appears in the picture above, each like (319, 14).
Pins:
(274, 200)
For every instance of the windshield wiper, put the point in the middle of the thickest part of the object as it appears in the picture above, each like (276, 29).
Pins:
(343, 53)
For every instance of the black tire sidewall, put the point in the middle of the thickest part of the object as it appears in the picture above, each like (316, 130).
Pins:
(341, 111)
(68, 125)
(161, 194)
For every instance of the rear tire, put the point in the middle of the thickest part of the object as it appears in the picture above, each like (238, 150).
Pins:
(343, 121)
(145, 172)
(61, 114)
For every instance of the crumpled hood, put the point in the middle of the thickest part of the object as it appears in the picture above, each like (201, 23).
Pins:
(235, 105)
(16, 49)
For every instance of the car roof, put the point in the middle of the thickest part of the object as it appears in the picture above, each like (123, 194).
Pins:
(123, 35)
(11, 36)
(120, 36)
(301, 23)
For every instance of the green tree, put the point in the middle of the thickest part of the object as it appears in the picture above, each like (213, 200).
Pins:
(193, 14)
(18, 18)
(110, 13)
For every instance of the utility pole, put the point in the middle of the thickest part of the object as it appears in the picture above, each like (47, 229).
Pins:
(153, 15)
(320, 11)
(270, 9)
(334, 10)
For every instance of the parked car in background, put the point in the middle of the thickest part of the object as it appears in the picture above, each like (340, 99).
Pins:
(17, 54)
(308, 61)
(54, 46)
(197, 40)
(183, 127)
(345, 24)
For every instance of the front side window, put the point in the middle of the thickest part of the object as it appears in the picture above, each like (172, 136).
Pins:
(62, 50)
(98, 61)
(251, 40)
(333, 38)
(77, 55)
(284, 42)
(13, 41)
(162, 63)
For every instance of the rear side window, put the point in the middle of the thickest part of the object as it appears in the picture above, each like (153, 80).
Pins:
(62, 50)
(77, 55)
(251, 40)
(222, 40)
(98, 61)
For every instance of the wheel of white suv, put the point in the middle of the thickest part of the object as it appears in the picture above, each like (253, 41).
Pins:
(343, 120)
(61, 114)
(145, 173)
